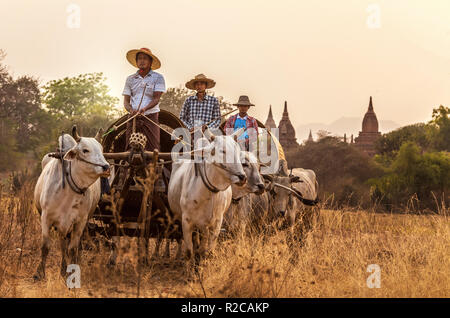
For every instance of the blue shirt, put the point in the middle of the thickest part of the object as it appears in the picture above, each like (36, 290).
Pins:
(241, 123)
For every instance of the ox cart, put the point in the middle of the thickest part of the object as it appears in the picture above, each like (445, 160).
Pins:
(137, 205)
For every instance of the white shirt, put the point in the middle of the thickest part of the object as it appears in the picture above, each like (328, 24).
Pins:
(134, 87)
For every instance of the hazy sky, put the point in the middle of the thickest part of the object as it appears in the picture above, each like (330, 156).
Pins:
(324, 57)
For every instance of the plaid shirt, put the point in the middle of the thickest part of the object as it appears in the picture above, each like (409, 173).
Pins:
(250, 122)
(196, 113)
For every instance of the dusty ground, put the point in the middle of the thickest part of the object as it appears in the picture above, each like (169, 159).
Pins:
(413, 252)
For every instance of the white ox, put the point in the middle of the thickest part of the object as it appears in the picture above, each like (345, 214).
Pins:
(294, 196)
(239, 214)
(308, 189)
(68, 209)
(199, 194)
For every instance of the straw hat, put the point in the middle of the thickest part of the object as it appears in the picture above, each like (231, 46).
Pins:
(200, 78)
(243, 101)
(131, 57)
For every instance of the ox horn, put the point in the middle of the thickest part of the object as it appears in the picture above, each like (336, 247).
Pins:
(237, 133)
(75, 134)
(208, 134)
(298, 195)
(99, 134)
(263, 164)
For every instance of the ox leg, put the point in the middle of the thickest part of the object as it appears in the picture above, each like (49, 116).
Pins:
(147, 243)
(40, 271)
(157, 246)
(167, 251)
(115, 240)
(143, 246)
(179, 249)
(63, 245)
(74, 243)
(212, 237)
(187, 237)
(199, 246)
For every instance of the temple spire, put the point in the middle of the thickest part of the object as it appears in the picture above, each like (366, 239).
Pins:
(310, 137)
(286, 131)
(370, 105)
(270, 123)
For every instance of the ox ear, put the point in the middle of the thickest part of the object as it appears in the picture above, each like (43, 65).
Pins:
(98, 136)
(268, 183)
(75, 134)
(267, 177)
(294, 179)
(71, 154)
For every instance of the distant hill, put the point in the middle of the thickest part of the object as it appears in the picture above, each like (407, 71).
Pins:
(341, 126)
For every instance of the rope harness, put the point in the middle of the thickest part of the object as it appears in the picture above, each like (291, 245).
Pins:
(68, 173)
(72, 183)
(208, 184)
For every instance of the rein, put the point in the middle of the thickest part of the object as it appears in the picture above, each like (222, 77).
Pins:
(208, 184)
(75, 188)
(72, 183)
(89, 162)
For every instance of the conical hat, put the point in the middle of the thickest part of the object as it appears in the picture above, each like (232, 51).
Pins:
(243, 101)
(200, 78)
(131, 57)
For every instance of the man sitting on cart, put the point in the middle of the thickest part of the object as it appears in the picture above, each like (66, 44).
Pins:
(243, 120)
(142, 93)
(200, 110)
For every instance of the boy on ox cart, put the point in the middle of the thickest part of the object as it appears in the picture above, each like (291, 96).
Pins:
(243, 120)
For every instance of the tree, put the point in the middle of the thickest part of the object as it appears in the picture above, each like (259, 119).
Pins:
(414, 173)
(391, 142)
(73, 97)
(441, 123)
(23, 122)
(341, 169)
(172, 100)
(323, 134)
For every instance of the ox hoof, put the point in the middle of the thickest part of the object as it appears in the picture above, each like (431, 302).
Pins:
(38, 277)
(144, 262)
(111, 264)
(63, 273)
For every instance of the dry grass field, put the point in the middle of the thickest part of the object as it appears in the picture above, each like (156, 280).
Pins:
(413, 252)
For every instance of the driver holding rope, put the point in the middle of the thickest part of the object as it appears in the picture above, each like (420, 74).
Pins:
(142, 93)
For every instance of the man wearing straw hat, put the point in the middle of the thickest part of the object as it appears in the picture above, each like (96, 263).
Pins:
(200, 110)
(142, 93)
(243, 120)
